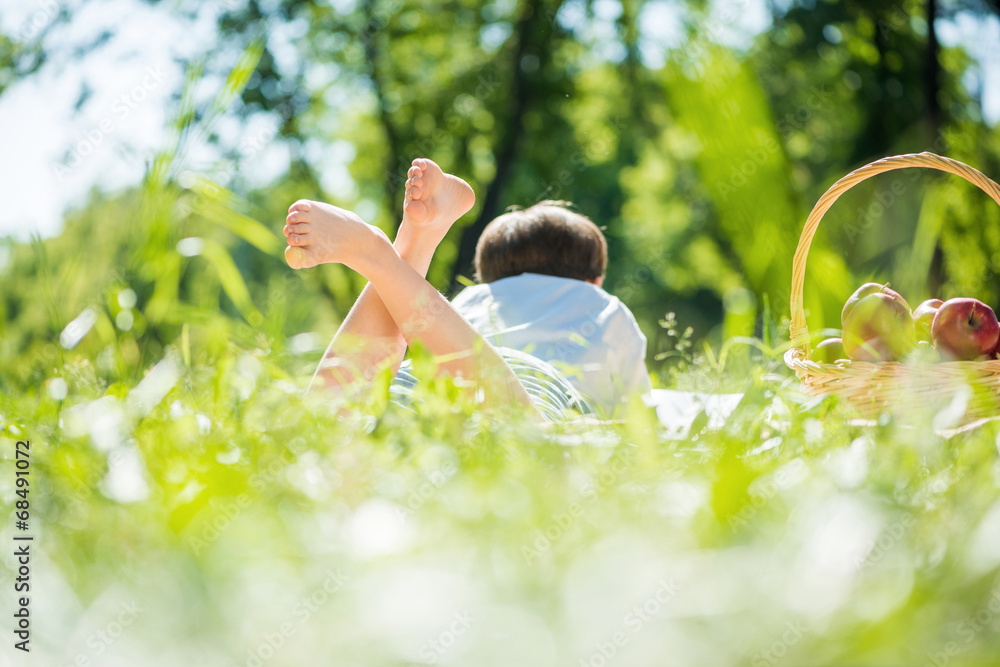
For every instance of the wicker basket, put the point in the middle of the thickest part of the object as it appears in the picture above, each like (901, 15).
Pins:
(873, 386)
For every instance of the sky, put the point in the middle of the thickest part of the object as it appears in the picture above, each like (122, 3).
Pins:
(54, 155)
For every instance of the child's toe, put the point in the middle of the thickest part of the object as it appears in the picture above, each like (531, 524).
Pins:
(417, 210)
(413, 171)
(298, 239)
(295, 257)
(296, 217)
(414, 192)
(300, 205)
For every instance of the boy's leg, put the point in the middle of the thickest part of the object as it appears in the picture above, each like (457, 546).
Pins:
(369, 338)
(325, 233)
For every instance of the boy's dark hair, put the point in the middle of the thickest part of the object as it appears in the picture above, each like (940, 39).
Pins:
(547, 238)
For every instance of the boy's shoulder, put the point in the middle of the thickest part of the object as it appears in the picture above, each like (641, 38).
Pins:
(532, 292)
(535, 285)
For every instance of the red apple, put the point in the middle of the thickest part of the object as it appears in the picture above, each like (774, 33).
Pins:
(829, 351)
(879, 327)
(923, 316)
(965, 329)
(866, 290)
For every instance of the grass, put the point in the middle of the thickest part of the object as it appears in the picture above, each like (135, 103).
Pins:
(213, 515)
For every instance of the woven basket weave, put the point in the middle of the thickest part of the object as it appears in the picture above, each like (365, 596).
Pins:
(878, 386)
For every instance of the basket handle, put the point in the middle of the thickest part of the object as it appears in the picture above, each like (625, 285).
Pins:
(798, 330)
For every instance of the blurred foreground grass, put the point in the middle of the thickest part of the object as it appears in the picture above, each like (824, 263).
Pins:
(212, 515)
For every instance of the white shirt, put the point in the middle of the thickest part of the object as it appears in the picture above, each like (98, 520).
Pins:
(574, 325)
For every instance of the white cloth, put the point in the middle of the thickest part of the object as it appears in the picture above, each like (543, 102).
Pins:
(679, 410)
(577, 327)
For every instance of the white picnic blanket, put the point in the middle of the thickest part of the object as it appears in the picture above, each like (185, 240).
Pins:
(678, 410)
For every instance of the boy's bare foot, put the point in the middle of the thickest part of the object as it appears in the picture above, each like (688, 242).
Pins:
(321, 233)
(434, 200)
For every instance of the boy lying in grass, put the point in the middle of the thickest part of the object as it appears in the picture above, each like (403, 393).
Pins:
(541, 304)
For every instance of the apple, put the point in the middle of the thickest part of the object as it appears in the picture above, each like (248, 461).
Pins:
(829, 351)
(879, 327)
(866, 290)
(965, 329)
(923, 317)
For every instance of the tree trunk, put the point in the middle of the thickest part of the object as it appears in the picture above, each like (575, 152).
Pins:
(932, 85)
(505, 153)
(932, 72)
(393, 180)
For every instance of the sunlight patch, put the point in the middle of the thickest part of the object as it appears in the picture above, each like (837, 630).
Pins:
(78, 328)
(57, 389)
(375, 530)
(126, 478)
(190, 247)
(154, 387)
(951, 415)
(101, 420)
(984, 548)
(836, 536)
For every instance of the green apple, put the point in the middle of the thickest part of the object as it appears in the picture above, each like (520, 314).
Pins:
(879, 327)
(923, 317)
(866, 290)
(829, 351)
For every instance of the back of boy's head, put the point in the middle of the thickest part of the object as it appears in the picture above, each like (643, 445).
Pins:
(547, 238)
